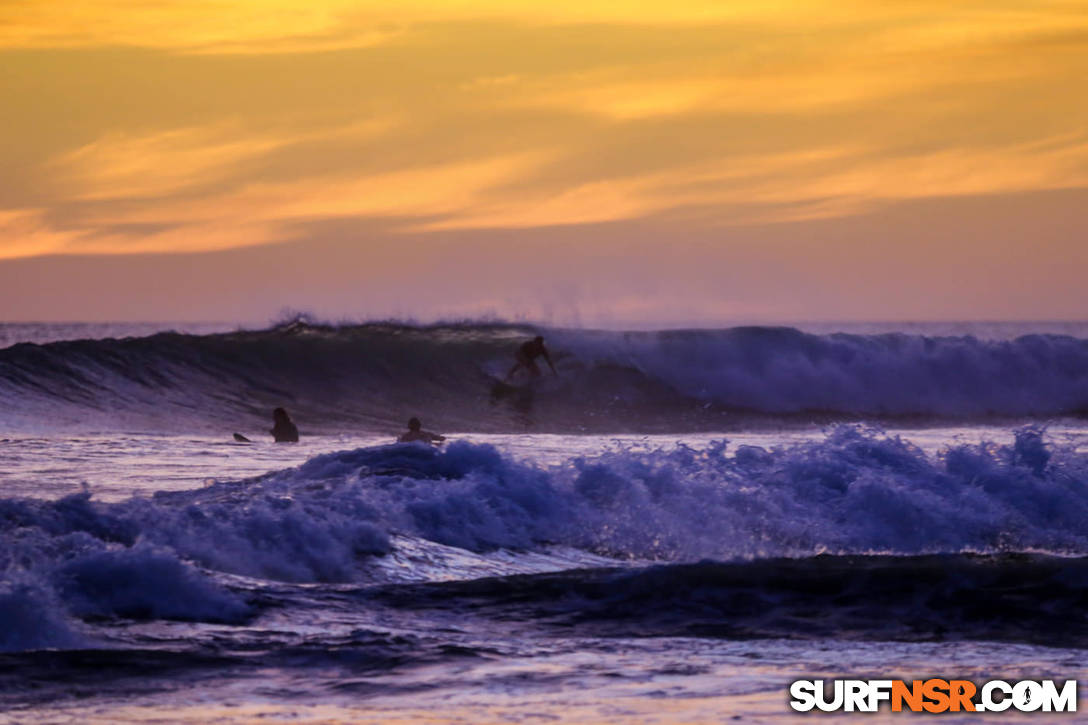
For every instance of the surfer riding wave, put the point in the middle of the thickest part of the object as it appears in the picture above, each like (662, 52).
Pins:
(527, 355)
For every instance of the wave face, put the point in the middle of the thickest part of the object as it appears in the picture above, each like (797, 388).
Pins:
(373, 377)
(1020, 598)
(410, 512)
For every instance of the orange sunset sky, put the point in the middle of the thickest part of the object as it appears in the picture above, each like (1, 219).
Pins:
(583, 161)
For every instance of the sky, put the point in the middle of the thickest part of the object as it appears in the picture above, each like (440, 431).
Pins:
(585, 162)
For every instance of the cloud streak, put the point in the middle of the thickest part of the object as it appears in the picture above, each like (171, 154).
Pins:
(195, 126)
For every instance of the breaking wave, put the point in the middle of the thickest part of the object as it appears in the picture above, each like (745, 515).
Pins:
(372, 377)
(370, 515)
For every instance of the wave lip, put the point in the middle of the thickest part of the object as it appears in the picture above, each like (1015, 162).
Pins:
(372, 377)
(142, 583)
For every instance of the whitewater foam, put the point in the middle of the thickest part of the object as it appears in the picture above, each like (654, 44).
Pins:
(856, 491)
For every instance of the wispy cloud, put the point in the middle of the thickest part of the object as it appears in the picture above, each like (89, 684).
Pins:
(119, 166)
(254, 26)
(239, 119)
(813, 184)
(259, 213)
(27, 233)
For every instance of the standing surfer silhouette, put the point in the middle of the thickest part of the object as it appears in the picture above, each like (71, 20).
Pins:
(283, 429)
(527, 355)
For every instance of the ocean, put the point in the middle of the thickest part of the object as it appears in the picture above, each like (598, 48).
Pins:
(672, 529)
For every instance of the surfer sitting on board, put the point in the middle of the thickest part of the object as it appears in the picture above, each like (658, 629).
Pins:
(416, 433)
(527, 355)
(283, 430)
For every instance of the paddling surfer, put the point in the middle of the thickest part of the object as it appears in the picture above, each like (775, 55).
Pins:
(416, 433)
(283, 429)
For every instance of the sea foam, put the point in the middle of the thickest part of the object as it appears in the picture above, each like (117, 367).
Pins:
(856, 491)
